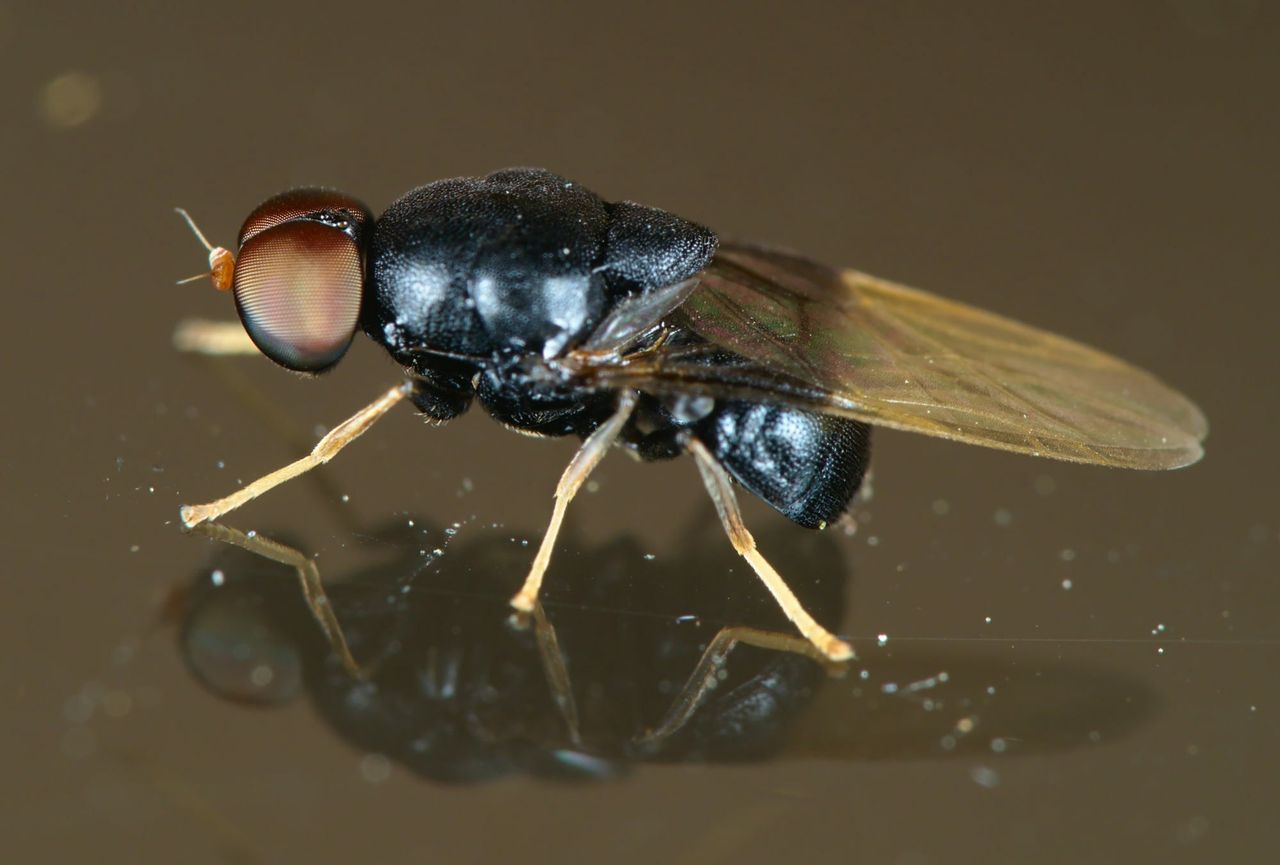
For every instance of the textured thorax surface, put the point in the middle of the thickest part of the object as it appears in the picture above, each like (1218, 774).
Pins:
(519, 261)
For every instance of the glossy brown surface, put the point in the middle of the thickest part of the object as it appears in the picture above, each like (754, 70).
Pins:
(1104, 170)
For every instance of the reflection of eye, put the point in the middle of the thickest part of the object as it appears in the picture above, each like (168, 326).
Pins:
(300, 277)
(236, 654)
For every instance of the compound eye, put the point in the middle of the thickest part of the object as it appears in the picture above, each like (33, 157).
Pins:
(300, 276)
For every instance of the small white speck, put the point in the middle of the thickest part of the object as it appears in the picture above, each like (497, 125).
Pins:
(1066, 585)
(261, 676)
(345, 498)
(881, 639)
(1067, 555)
(649, 557)
(987, 619)
(873, 541)
(985, 776)
(217, 578)
(999, 746)
(375, 768)
(134, 548)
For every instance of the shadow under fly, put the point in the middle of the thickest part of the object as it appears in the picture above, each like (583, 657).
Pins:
(629, 661)
(632, 660)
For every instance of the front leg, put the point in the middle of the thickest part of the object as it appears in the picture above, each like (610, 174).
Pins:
(326, 449)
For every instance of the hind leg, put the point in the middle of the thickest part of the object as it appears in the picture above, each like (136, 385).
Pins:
(720, 489)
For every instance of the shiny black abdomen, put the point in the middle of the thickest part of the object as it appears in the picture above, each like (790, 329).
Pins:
(804, 464)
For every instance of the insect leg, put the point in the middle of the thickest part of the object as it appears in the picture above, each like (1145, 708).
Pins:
(578, 470)
(218, 338)
(705, 676)
(308, 576)
(338, 438)
(721, 491)
(556, 671)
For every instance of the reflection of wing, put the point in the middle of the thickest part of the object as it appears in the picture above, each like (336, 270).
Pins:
(849, 344)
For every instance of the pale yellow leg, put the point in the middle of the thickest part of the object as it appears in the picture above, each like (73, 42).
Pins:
(579, 469)
(218, 338)
(338, 438)
(308, 576)
(721, 490)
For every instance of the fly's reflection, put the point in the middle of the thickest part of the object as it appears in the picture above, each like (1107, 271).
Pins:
(629, 661)
(633, 660)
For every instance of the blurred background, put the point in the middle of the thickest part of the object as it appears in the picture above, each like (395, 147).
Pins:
(1058, 663)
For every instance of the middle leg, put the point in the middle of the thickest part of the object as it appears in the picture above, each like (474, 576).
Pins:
(575, 475)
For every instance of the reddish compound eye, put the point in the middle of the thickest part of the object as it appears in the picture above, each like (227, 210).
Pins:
(300, 276)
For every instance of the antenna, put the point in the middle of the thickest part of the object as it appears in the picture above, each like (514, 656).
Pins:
(221, 262)
(194, 228)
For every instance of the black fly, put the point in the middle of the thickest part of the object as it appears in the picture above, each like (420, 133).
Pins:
(565, 314)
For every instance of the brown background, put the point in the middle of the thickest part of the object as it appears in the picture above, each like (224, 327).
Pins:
(1105, 169)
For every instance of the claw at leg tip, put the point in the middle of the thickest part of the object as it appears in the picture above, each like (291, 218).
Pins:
(190, 516)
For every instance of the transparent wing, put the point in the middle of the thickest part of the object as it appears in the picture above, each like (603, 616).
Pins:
(635, 316)
(849, 344)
